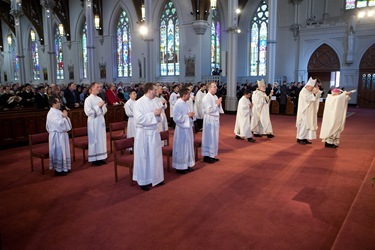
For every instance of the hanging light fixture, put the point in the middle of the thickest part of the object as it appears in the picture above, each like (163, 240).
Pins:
(32, 34)
(97, 22)
(9, 38)
(213, 4)
(143, 11)
(61, 29)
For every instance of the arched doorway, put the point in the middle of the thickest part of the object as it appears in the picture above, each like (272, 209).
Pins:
(366, 85)
(324, 64)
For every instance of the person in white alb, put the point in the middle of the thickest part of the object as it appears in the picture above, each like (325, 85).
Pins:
(58, 124)
(334, 117)
(129, 111)
(183, 143)
(308, 105)
(95, 109)
(242, 128)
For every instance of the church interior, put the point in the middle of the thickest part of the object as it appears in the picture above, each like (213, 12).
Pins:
(273, 194)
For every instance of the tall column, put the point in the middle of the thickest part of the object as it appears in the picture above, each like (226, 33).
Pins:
(149, 39)
(49, 39)
(16, 12)
(90, 42)
(232, 29)
(200, 27)
(271, 47)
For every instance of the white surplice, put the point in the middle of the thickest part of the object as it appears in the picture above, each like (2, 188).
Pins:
(261, 121)
(198, 109)
(163, 124)
(183, 142)
(242, 126)
(148, 159)
(172, 101)
(306, 122)
(211, 125)
(59, 149)
(334, 117)
(97, 135)
(129, 111)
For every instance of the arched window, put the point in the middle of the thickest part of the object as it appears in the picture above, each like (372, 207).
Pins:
(215, 40)
(169, 41)
(352, 4)
(34, 55)
(84, 51)
(124, 65)
(59, 55)
(12, 50)
(258, 44)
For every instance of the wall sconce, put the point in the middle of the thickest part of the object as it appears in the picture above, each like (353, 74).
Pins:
(97, 22)
(213, 4)
(61, 29)
(143, 11)
(9, 38)
(32, 35)
(234, 29)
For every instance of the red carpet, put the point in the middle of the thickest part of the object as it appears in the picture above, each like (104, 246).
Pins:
(272, 194)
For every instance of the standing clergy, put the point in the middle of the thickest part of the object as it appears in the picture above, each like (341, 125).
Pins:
(129, 111)
(57, 125)
(308, 105)
(162, 103)
(148, 159)
(261, 121)
(198, 109)
(242, 127)
(95, 109)
(211, 123)
(172, 101)
(334, 117)
(183, 144)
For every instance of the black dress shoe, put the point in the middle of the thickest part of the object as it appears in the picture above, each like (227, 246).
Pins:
(307, 141)
(181, 171)
(131, 152)
(190, 169)
(208, 159)
(60, 173)
(145, 187)
(102, 162)
(270, 136)
(160, 183)
(328, 145)
(215, 159)
(96, 163)
(238, 137)
(250, 139)
(302, 142)
(257, 135)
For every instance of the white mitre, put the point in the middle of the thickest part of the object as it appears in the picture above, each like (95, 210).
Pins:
(311, 82)
(261, 84)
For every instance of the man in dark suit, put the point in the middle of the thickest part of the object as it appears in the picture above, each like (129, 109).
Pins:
(41, 99)
(72, 96)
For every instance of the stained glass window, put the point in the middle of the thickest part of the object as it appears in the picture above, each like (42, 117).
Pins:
(352, 4)
(124, 65)
(35, 56)
(215, 40)
(258, 41)
(13, 53)
(59, 55)
(169, 41)
(84, 51)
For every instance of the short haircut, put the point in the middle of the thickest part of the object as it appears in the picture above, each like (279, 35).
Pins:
(131, 91)
(247, 91)
(92, 85)
(148, 86)
(70, 84)
(53, 99)
(184, 90)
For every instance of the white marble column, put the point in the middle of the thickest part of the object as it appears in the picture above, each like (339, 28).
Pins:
(231, 99)
(16, 12)
(200, 27)
(49, 32)
(90, 42)
(271, 47)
